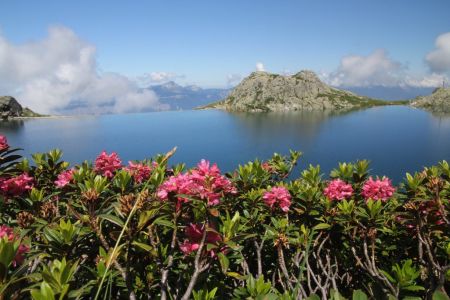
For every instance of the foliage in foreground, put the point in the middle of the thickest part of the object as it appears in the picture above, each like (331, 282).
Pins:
(147, 230)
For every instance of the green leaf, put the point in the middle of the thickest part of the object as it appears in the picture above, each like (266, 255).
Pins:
(143, 246)
(224, 262)
(414, 288)
(322, 226)
(388, 276)
(113, 219)
(44, 293)
(335, 295)
(163, 222)
(235, 275)
(438, 295)
(359, 295)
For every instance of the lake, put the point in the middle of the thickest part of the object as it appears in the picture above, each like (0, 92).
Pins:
(396, 139)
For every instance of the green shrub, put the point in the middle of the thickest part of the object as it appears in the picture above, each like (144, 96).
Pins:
(148, 230)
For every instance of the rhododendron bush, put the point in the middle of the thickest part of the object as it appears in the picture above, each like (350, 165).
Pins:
(149, 229)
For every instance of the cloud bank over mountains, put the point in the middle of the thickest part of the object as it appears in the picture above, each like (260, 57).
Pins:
(61, 71)
(378, 69)
(60, 74)
(154, 78)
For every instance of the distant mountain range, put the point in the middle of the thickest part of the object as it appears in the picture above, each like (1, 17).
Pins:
(390, 93)
(187, 97)
(180, 97)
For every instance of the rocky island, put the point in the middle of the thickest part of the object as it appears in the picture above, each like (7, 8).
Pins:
(11, 108)
(262, 91)
(437, 102)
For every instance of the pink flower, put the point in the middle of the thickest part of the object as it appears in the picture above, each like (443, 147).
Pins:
(20, 254)
(337, 189)
(106, 164)
(8, 232)
(187, 247)
(16, 186)
(204, 182)
(267, 167)
(194, 234)
(278, 195)
(3, 143)
(64, 178)
(139, 171)
(379, 189)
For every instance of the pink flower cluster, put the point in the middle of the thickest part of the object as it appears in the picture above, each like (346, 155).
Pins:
(16, 186)
(139, 171)
(3, 143)
(194, 234)
(64, 178)
(8, 233)
(379, 189)
(338, 189)
(204, 182)
(106, 164)
(278, 195)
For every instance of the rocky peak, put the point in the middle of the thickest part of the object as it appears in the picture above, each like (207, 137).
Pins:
(307, 76)
(263, 91)
(441, 90)
(9, 107)
(437, 102)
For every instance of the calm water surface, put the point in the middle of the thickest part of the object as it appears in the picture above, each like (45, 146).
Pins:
(396, 139)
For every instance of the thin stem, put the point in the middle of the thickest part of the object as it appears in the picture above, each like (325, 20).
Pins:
(116, 246)
(199, 268)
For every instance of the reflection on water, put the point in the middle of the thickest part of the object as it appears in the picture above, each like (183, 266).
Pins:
(396, 139)
(304, 124)
(11, 126)
(441, 115)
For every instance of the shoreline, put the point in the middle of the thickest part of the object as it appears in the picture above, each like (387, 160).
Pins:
(30, 118)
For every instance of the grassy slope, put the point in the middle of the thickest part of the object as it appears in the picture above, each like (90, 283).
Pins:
(338, 96)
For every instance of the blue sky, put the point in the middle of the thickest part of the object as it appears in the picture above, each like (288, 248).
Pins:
(206, 42)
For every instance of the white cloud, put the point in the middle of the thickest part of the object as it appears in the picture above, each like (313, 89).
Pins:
(260, 67)
(376, 68)
(439, 59)
(427, 81)
(157, 78)
(52, 74)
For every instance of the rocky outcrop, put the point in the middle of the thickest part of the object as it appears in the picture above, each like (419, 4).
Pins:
(11, 108)
(262, 91)
(437, 102)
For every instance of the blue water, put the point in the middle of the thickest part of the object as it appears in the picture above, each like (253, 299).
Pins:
(396, 139)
